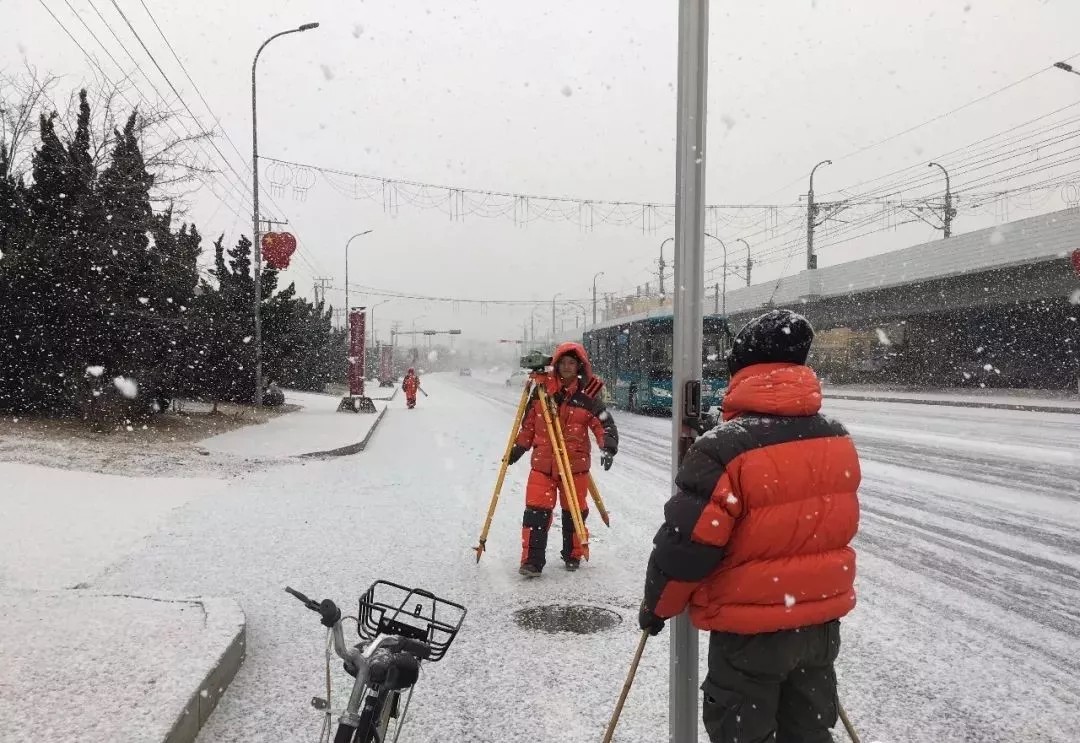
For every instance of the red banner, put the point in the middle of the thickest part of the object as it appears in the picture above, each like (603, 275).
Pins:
(356, 352)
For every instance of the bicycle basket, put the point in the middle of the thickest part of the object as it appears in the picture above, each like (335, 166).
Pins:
(391, 609)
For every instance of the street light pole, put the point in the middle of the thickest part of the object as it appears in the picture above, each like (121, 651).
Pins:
(255, 246)
(949, 213)
(663, 266)
(723, 309)
(347, 243)
(811, 214)
(371, 316)
(749, 260)
(594, 278)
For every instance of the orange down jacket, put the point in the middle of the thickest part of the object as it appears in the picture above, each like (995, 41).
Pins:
(580, 411)
(756, 538)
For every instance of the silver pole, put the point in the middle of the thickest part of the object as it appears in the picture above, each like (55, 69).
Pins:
(255, 210)
(688, 297)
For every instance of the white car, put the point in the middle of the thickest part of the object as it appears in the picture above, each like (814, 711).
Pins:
(517, 377)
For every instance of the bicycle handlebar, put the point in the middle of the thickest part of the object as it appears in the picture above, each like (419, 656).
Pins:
(329, 611)
(331, 617)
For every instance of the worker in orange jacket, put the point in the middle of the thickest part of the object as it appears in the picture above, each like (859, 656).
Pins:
(576, 392)
(410, 385)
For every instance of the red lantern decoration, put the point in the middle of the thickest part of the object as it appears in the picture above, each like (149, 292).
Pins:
(1076, 261)
(277, 249)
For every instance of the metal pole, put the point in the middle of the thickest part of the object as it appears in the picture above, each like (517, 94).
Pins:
(749, 260)
(811, 214)
(594, 278)
(255, 210)
(724, 247)
(687, 310)
(948, 201)
(347, 244)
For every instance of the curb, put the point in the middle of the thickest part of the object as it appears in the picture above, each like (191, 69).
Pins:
(205, 699)
(351, 448)
(1036, 408)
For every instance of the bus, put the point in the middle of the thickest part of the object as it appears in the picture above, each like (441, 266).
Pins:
(634, 358)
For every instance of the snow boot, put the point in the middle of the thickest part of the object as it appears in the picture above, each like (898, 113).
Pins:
(529, 571)
(572, 563)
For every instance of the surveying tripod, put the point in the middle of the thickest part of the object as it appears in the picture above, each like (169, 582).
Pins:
(536, 385)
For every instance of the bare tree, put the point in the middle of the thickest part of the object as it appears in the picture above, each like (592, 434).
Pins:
(174, 145)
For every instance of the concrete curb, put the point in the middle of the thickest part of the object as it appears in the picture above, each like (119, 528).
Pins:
(1023, 407)
(351, 448)
(204, 700)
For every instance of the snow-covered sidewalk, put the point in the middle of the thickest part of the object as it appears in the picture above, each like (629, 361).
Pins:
(317, 428)
(110, 666)
(1001, 399)
(97, 668)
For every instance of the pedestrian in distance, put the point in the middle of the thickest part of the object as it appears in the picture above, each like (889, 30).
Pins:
(576, 393)
(410, 384)
(756, 543)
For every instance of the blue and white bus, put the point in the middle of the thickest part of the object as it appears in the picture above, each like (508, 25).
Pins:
(634, 358)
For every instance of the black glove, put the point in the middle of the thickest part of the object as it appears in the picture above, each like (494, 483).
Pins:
(516, 452)
(606, 458)
(701, 424)
(648, 621)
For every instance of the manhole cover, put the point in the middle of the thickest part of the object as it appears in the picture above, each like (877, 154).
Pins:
(583, 620)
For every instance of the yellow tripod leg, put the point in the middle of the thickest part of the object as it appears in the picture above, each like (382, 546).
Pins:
(595, 493)
(479, 549)
(554, 428)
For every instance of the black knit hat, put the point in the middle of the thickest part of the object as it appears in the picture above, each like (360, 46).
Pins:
(778, 336)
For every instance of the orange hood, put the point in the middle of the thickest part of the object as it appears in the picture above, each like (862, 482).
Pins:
(577, 350)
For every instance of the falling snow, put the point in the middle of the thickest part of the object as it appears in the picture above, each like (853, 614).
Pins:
(127, 387)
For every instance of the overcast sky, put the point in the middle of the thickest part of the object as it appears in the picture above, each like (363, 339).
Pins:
(571, 97)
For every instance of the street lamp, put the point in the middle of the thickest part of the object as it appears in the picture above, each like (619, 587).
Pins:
(948, 201)
(255, 210)
(347, 243)
(594, 278)
(811, 213)
(723, 310)
(749, 260)
(663, 266)
(371, 316)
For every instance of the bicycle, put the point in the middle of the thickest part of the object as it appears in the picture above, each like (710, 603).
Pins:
(394, 642)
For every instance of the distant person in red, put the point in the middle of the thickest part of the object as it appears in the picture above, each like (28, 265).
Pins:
(410, 384)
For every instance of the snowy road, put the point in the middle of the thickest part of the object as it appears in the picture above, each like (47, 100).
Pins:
(969, 560)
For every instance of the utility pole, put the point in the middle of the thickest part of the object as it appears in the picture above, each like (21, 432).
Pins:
(716, 299)
(949, 211)
(321, 285)
(693, 67)
(749, 260)
(811, 217)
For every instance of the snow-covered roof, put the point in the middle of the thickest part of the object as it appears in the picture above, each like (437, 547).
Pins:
(1025, 241)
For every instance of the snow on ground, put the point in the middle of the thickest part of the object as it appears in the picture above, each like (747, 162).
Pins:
(316, 427)
(1017, 398)
(969, 578)
(86, 667)
(61, 527)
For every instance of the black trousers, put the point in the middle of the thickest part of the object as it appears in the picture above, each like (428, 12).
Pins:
(778, 687)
